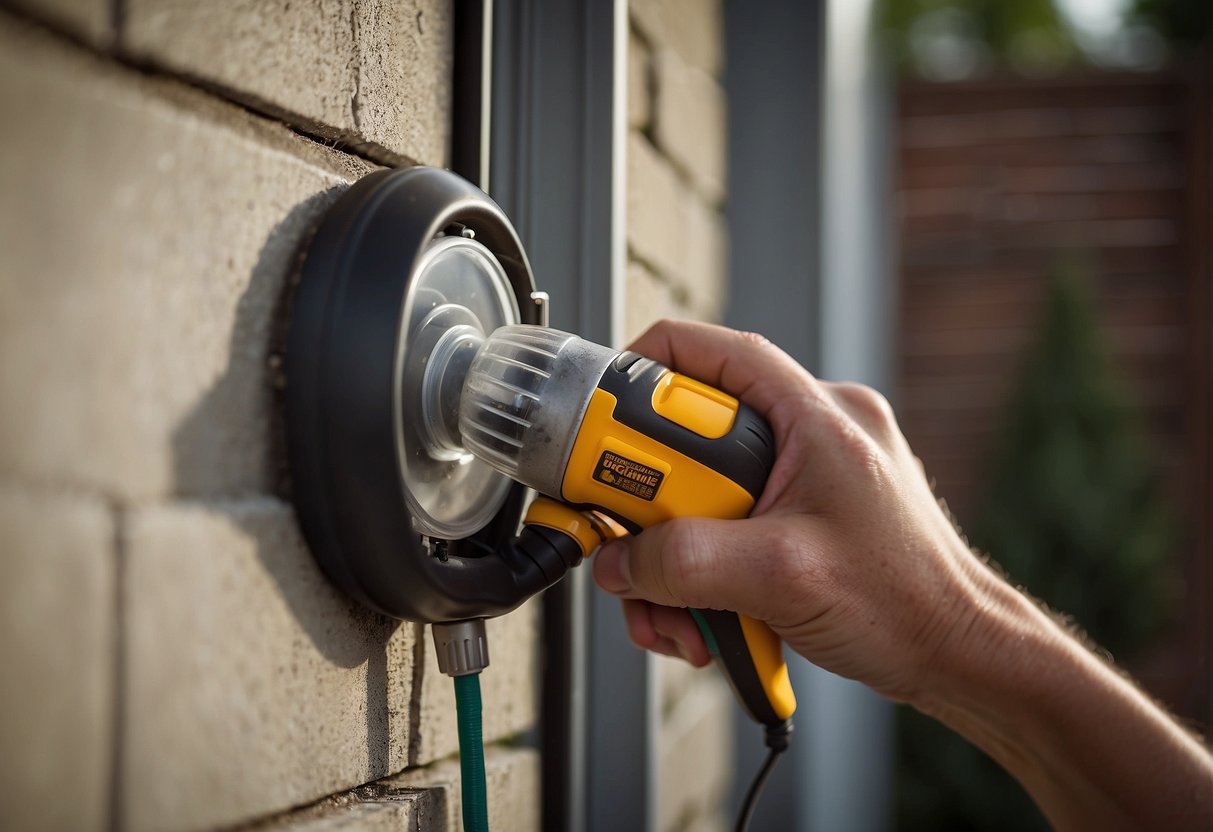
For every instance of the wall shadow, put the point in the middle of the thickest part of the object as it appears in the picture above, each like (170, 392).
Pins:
(247, 399)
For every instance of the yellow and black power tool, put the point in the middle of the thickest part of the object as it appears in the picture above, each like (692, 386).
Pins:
(419, 390)
(594, 428)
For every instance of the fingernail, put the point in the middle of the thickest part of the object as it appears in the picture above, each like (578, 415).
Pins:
(611, 567)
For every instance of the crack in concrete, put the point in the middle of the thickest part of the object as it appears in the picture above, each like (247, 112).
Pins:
(356, 98)
(118, 684)
(117, 20)
(414, 752)
(333, 138)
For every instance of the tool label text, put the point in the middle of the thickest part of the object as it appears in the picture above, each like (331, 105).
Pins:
(628, 476)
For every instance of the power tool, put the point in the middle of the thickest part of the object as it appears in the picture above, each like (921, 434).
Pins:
(424, 396)
(618, 433)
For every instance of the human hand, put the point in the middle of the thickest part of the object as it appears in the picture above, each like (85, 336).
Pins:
(847, 556)
(854, 564)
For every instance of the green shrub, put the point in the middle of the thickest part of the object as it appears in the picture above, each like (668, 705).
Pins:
(1072, 512)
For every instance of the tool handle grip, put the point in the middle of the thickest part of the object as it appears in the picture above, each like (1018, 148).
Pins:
(751, 656)
(747, 650)
(653, 445)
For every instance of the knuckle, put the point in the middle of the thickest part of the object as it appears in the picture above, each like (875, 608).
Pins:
(788, 558)
(755, 338)
(660, 325)
(640, 628)
(641, 637)
(870, 404)
(683, 562)
(858, 448)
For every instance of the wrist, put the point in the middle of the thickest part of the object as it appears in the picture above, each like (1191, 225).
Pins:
(995, 657)
(1090, 748)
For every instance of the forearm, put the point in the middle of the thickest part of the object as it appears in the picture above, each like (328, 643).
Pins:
(1090, 748)
(848, 557)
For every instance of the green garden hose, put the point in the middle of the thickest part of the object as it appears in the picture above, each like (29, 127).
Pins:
(471, 753)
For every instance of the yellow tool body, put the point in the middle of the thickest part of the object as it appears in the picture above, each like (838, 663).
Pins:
(623, 435)
(629, 473)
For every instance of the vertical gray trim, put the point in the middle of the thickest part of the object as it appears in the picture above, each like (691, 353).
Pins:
(556, 152)
(557, 170)
(850, 761)
(856, 291)
(773, 81)
(472, 84)
(486, 97)
(810, 259)
(774, 51)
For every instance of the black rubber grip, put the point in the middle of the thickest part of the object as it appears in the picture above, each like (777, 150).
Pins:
(745, 454)
(726, 642)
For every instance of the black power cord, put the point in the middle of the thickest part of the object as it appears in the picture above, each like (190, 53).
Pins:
(777, 739)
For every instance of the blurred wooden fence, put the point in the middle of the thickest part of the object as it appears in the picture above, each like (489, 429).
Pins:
(997, 182)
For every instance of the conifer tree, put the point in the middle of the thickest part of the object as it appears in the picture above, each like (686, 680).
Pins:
(1073, 510)
(1073, 514)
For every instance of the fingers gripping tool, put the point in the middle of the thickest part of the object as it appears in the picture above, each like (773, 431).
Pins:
(618, 433)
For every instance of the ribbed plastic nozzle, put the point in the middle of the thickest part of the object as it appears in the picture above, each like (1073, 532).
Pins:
(524, 397)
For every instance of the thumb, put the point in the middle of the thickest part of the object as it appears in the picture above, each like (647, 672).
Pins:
(698, 562)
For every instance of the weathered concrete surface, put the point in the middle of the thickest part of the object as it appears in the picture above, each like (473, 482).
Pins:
(681, 240)
(693, 28)
(57, 613)
(656, 209)
(674, 678)
(649, 300)
(148, 233)
(252, 684)
(373, 73)
(640, 105)
(406, 811)
(290, 55)
(512, 777)
(91, 20)
(647, 18)
(429, 798)
(698, 728)
(713, 821)
(707, 260)
(404, 50)
(689, 123)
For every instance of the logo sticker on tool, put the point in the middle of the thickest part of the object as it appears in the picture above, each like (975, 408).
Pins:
(628, 476)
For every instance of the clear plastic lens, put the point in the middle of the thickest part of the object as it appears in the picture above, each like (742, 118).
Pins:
(503, 393)
(524, 398)
(458, 294)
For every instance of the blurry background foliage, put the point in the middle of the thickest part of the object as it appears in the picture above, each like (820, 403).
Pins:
(1075, 514)
(1072, 509)
(944, 40)
(1075, 510)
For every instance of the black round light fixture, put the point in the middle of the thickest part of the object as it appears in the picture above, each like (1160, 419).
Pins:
(407, 273)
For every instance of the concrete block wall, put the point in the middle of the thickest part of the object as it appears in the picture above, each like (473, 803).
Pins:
(676, 169)
(168, 640)
(173, 658)
(677, 267)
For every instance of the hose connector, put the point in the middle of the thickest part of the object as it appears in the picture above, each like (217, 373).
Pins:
(462, 647)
